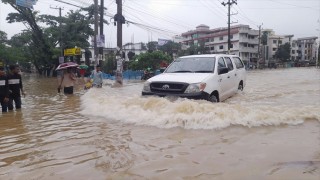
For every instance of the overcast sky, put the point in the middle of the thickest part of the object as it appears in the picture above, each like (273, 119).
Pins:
(165, 18)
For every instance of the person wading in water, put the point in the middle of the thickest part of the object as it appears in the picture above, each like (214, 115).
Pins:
(67, 81)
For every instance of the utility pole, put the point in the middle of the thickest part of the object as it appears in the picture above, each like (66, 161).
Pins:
(119, 20)
(101, 30)
(96, 21)
(60, 34)
(229, 3)
(259, 42)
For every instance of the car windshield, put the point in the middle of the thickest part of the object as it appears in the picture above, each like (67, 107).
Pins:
(192, 64)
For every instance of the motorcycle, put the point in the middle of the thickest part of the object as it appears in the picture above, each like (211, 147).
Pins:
(146, 75)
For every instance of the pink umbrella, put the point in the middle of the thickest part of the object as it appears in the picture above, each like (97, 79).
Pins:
(67, 65)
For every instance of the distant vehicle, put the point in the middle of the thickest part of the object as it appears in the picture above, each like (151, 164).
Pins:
(147, 74)
(213, 77)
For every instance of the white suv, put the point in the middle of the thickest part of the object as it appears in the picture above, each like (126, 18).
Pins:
(213, 77)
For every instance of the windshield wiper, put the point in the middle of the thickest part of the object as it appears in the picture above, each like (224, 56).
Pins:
(180, 71)
(203, 71)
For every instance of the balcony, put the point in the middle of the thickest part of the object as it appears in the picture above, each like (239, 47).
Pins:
(247, 40)
(248, 49)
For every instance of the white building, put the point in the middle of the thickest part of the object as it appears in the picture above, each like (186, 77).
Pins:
(136, 48)
(302, 49)
(307, 49)
(244, 40)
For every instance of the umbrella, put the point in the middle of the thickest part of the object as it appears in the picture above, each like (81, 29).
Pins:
(66, 65)
(83, 66)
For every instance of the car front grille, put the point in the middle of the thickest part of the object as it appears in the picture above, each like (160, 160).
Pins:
(168, 87)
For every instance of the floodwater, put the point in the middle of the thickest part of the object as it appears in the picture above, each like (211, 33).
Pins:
(271, 130)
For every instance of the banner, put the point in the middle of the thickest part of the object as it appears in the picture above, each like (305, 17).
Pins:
(162, 42)
(26, 3)
(100, 41)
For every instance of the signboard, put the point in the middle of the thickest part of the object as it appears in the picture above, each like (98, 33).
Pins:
(61, 60)
(162, 42)
(100, 40)
(72, 52)
(26, 3)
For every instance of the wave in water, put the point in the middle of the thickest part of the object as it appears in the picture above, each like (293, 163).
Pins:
(112, 104)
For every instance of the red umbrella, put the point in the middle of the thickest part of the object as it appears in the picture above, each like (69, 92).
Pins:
(67, 65)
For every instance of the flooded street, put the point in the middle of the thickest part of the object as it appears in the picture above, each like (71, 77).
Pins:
(271, 130)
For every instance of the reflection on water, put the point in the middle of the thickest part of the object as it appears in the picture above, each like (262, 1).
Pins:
(114, 133)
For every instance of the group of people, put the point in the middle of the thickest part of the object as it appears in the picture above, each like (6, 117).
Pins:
(11, 88)
(68, 79)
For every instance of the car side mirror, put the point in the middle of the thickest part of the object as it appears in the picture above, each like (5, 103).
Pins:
(223, 70)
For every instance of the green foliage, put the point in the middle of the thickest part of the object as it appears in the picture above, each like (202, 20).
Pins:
(152, 46)
(283, 52)
(3, 37)
(149, 60)
(110, 63)
(170, 48)
(264, 38)
(39, 44)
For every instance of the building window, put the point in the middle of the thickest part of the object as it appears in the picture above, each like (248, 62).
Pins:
(221, 47)
(274, 41)
(212, 40)
(293, 51)
(231, 45)
(274, 49)
(280, 42)
(231, 36)
(212, 48)
(221, 38)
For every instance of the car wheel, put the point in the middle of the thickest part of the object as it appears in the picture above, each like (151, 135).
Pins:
(240, 87)
(213, 99)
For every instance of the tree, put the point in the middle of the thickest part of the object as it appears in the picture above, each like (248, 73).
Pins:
(41, 46)
(170, 48)
(152, 46)
(283, 52)
(131, 55)
(149, 60)
(3, 37)
(264, 38)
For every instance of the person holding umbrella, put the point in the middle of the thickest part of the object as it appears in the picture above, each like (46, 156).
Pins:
(68, 78)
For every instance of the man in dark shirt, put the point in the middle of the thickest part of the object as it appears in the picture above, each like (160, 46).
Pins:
(4, 90)
(15, 85)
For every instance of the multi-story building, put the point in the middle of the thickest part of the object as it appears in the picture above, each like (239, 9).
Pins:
(302, 49)
(274, 42)
(244, 40)
(307, 49)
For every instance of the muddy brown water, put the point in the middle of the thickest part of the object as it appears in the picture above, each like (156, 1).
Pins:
(271, 130)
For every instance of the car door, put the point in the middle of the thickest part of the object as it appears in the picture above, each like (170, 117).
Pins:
(223, 80)
(232, 77)
(240, 70)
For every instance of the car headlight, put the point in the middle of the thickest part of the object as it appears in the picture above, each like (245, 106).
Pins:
(194, 88)
(146, 87)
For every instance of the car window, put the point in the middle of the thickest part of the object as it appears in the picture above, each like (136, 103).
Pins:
(229, 63)
(238, 62)
(192, 64)
(221, 63)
